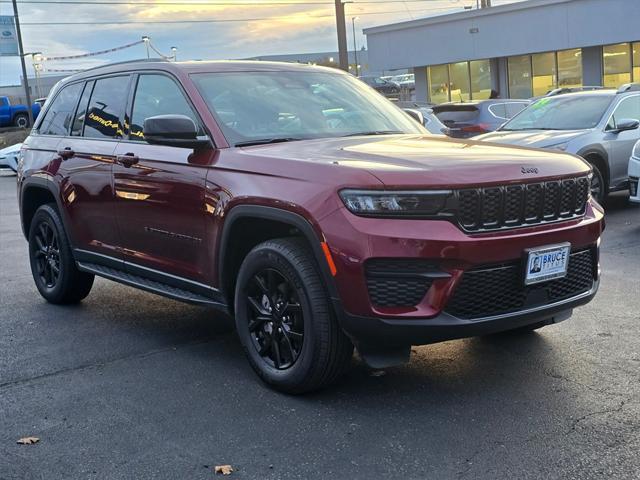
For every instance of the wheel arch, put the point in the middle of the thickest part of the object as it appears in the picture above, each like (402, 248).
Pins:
(597, 155)
(33, 195)
(271, 223)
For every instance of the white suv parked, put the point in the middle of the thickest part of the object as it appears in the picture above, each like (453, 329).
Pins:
(634, 173)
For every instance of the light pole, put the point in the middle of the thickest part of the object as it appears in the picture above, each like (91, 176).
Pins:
(355, 47)
(22, 63)
(175, 53)
(145, 39)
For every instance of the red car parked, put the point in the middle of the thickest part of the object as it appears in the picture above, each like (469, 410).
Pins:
(306, 205)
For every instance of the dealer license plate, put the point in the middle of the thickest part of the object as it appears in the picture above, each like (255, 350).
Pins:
(546, 263)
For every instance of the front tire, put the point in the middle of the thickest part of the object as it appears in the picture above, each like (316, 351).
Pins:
(52, 264)
(285, 321)
(599, 189)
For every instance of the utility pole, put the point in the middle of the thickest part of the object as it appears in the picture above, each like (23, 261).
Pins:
(22, 63)
(146, 41)
(355, 46)
(343, 54)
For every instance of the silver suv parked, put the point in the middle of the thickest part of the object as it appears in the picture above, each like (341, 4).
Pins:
(601, 126)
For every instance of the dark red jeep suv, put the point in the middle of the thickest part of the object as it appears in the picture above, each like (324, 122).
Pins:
(306, 205)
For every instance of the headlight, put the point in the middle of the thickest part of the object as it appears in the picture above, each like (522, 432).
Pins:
(426, 203)
(560, 146)
(636, 150)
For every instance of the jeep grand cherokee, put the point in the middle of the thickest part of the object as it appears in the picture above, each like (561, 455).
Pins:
(304, 204)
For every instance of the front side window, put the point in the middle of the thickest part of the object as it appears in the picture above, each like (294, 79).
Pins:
(627, 109)
(575, 112)
(296, 105)
(106, 108)
(157, 95)
(59, 115)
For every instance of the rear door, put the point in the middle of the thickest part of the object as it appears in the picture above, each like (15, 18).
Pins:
(85, 168)
(160, 191)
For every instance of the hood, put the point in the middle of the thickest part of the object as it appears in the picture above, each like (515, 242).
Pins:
(425, 160)
(533, 138)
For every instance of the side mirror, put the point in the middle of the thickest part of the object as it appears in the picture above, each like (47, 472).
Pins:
(173, 131)
(415, 114)
(626, 124)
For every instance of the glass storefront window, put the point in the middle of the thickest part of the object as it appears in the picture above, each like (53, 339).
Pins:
(480, 79)
(544, 72)
(616, 60)
(570, 68)
(519, 76)
(459, 81)
(439, 83)
(636, 62)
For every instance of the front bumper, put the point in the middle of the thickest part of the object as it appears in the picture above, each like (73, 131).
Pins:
(454, 252)
(390, 333)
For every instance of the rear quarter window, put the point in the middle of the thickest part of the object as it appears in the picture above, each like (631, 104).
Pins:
(59, 115)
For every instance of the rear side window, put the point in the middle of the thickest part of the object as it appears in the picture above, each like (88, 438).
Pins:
(59, 116)
(106, 108)
(499, 110)
(158, 95)
(81, 113)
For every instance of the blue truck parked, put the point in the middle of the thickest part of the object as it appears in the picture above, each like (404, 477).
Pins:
(16, 115)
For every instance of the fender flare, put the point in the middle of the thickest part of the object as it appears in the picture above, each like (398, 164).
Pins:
(44, 183)
(285, 216)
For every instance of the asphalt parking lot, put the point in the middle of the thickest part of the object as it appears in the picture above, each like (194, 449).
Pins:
(131, 385)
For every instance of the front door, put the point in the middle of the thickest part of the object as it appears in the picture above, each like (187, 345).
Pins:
(622, 143)
(159, 191)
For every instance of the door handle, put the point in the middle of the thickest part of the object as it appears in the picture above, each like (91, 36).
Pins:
(66, 153)
(127, 160)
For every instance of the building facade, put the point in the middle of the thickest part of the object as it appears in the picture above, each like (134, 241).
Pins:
(518, 50)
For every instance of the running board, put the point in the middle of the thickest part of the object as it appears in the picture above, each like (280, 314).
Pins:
(152, 286)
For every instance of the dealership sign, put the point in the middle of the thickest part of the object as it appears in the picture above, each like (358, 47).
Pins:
(8, 37)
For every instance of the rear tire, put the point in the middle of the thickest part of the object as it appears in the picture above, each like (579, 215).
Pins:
(52, 264)
(21, 120)
(285, 320)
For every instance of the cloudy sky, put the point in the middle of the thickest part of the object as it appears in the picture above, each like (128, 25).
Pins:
(241, 29)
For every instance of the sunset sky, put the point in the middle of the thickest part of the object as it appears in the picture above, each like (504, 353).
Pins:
(277, 29)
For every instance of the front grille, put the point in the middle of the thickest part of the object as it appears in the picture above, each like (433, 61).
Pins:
(397, 282)
(494, 290)
(509, 206)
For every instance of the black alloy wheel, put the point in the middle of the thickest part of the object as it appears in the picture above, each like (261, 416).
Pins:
(46, 251)
(276, 322)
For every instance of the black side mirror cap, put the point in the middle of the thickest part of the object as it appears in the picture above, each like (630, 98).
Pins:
(173, 131)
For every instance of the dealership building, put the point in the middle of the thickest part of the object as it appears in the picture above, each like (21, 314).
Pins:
(518, 50)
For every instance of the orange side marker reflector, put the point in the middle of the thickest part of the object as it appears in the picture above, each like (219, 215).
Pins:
(327, 255)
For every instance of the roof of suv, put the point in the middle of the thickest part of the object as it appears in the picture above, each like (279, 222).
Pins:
(200, 67)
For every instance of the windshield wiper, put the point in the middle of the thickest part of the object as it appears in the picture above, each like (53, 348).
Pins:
(373, 132)
(264, 141)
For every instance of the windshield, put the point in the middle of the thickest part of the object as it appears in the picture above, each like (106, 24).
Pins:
(574, 112)
(261, 106)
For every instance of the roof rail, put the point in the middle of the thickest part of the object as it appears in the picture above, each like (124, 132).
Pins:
(561, 90)
(629, 87)
(124, 62)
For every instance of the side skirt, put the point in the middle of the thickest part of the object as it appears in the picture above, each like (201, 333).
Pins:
(213, 300)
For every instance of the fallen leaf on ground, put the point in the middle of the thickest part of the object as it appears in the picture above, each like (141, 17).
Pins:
(224, 469)
(28, 440)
